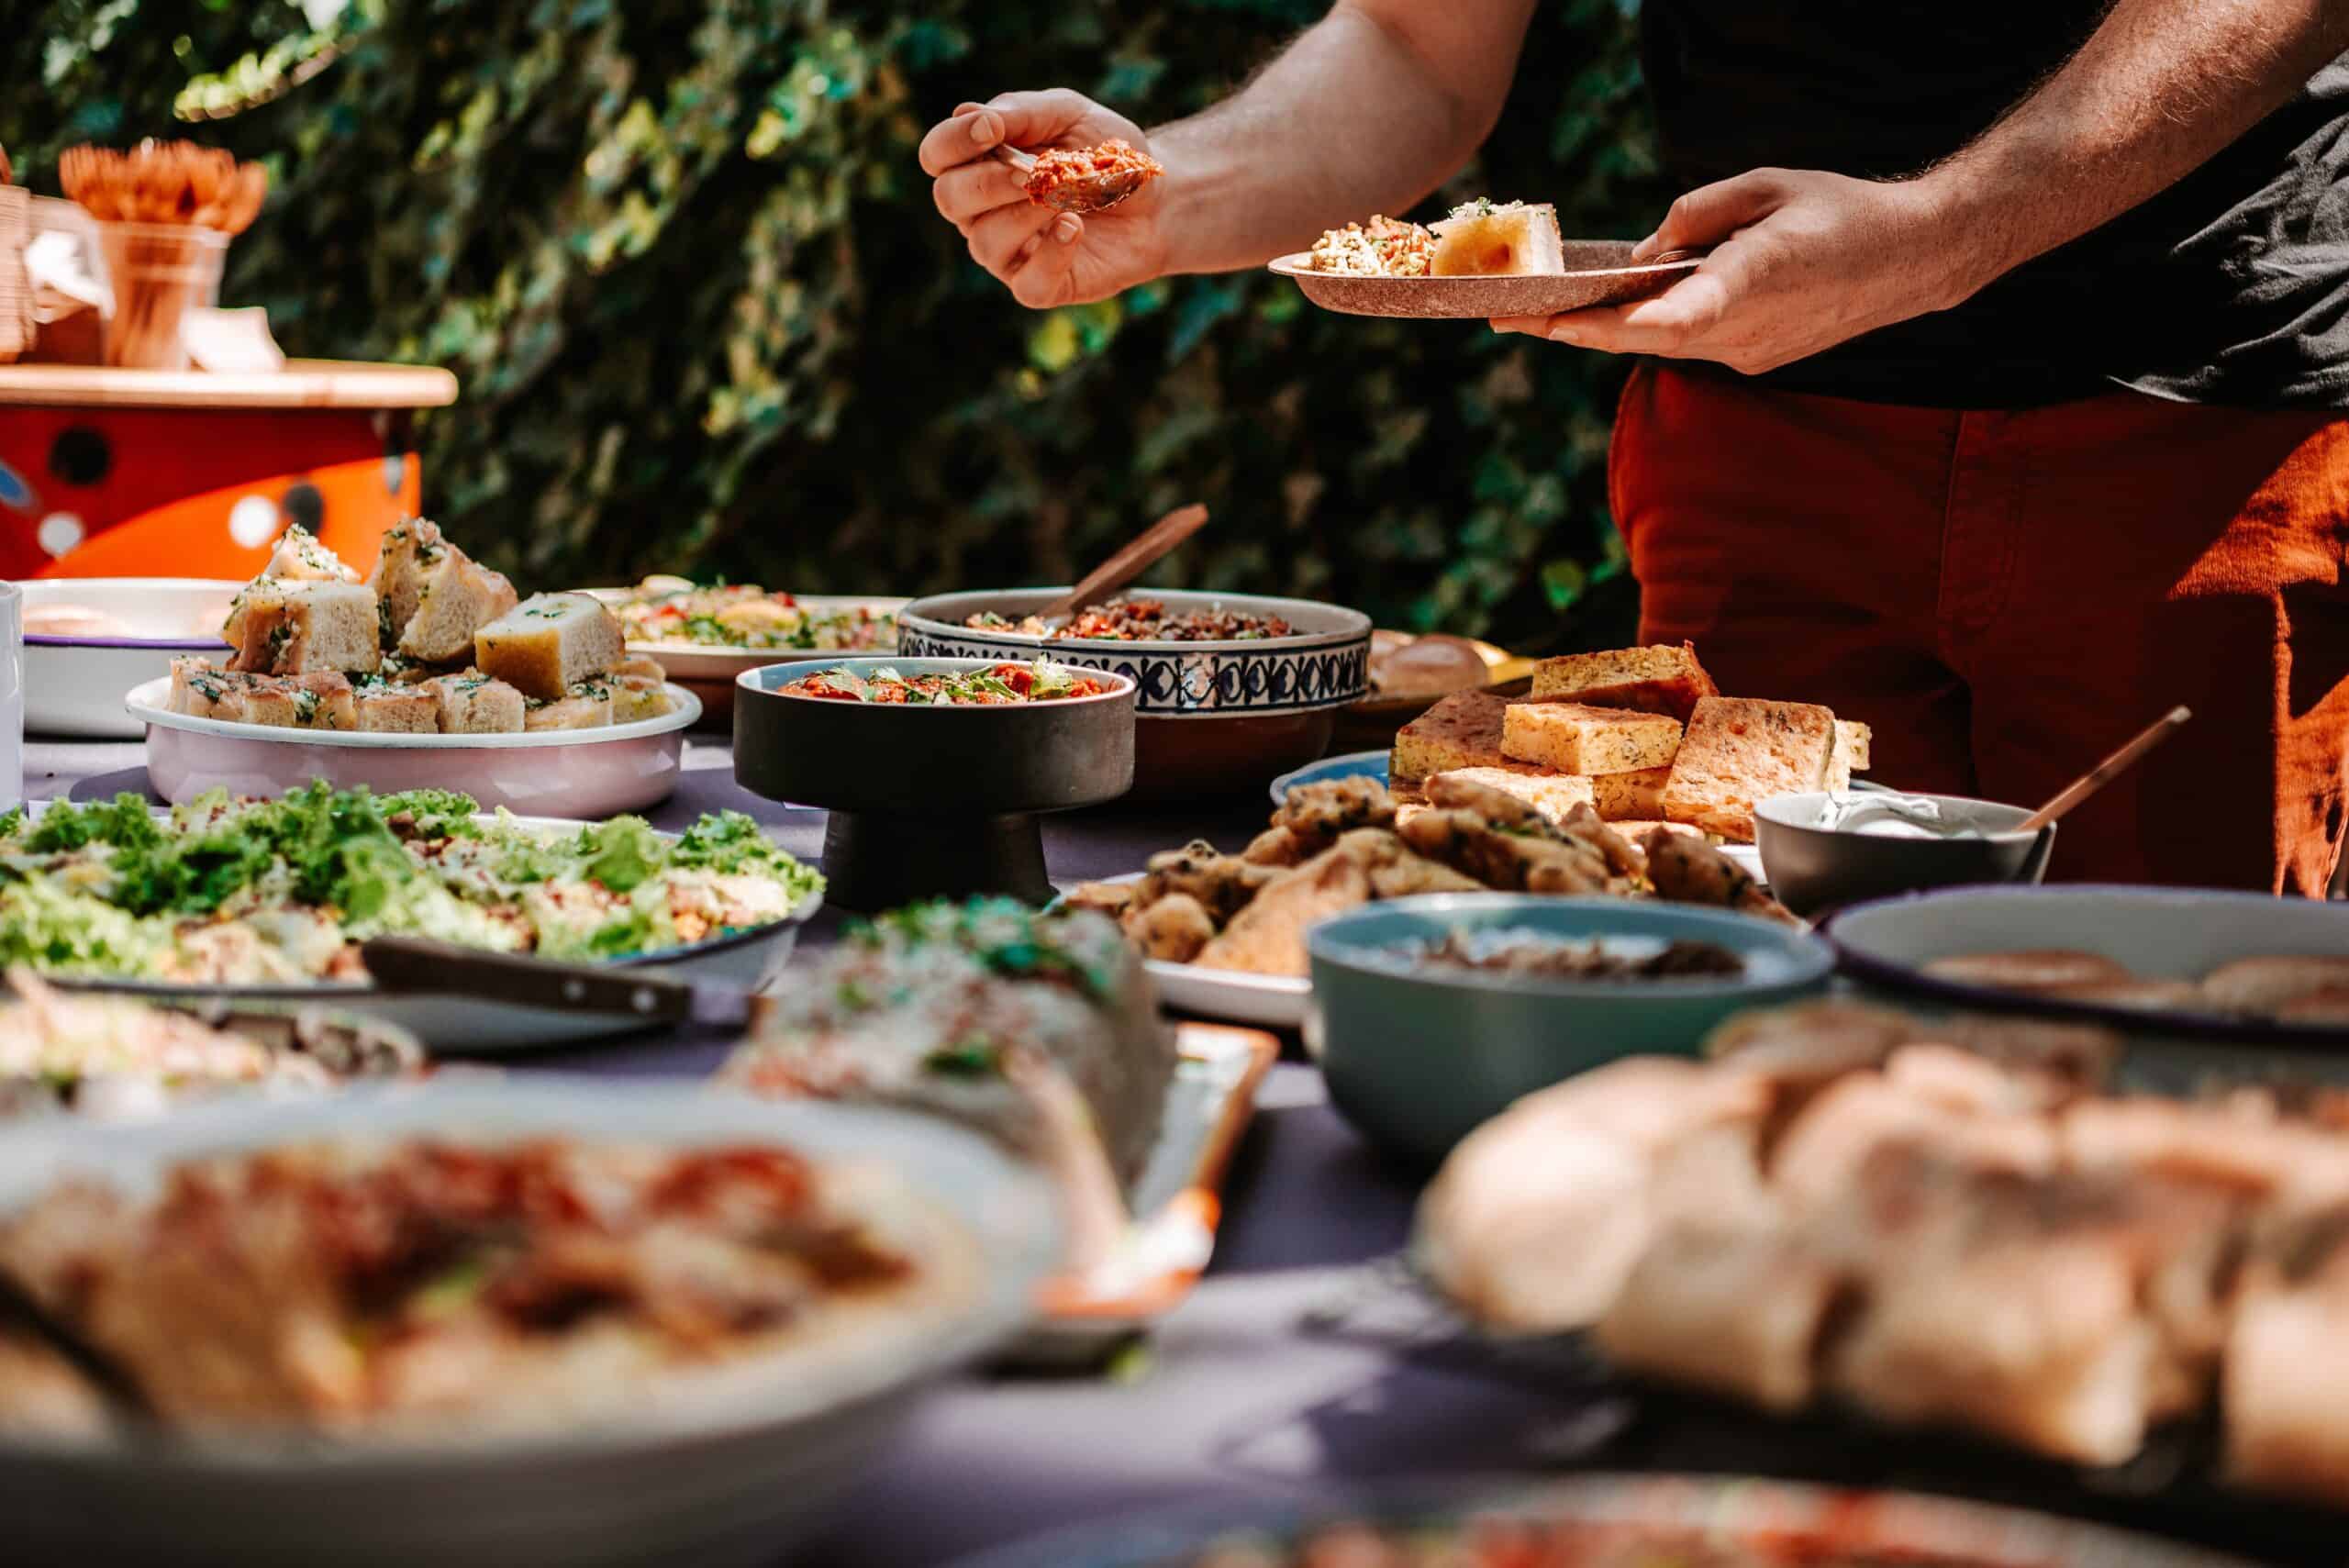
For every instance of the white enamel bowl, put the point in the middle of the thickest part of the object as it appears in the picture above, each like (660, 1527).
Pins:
(76, 670)
(592, 773)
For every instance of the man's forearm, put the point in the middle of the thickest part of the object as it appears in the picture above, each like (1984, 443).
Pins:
(2161, 87)
(1360, 115)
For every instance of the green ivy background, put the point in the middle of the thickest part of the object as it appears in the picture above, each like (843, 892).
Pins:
(706, 320)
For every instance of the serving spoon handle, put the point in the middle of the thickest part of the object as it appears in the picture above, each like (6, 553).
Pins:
(1139, 556)
(2104, 772)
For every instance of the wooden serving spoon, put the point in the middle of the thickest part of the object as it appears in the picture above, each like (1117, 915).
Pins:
(1093, 193)
(1129, 563)
(2104, 772)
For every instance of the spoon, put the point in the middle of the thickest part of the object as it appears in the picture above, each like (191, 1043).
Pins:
(1128, 563)
(2104, 772)
(1093, 193)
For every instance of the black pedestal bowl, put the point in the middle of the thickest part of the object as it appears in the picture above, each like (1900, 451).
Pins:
(931, 800)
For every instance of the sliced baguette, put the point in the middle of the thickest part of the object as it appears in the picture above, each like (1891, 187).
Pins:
(1742, 750)
(1575, 738)
(1656, 679)
(549, 642)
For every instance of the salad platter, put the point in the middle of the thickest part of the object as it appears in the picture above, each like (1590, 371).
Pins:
(705, 636)
(222, 905)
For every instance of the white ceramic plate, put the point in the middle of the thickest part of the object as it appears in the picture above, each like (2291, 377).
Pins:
(704, 661)
(2160, 933)
(1373, 765)
(469, 1026)
(76, 675)
(730, 1465)
(589, 773)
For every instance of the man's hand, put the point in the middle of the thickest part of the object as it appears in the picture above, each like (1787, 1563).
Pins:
(1048, 257)
(1799, 262)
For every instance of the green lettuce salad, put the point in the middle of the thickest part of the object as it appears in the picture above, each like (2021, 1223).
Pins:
(250, 891)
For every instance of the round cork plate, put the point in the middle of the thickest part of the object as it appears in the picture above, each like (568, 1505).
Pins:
(1598, 271)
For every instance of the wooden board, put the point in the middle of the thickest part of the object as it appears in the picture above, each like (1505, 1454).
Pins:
(303, 383)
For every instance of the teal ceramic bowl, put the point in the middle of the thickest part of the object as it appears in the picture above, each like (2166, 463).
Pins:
(1417, 1055)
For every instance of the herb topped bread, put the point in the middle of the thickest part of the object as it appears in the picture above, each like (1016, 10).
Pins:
(549, 642)
(1575, 738)
(1659, 679)
(315, 649)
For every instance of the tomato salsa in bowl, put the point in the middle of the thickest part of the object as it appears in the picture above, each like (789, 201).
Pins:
(934, 770)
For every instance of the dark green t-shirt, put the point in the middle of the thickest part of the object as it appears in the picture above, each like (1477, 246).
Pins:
(2232, 286)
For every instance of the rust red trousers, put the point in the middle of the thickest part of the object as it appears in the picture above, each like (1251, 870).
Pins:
(2005, 597)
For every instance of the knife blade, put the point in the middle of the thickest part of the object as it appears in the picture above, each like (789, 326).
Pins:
(419, 966)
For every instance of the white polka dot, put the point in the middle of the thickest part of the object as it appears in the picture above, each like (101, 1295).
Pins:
(59, 532)
(252, 521)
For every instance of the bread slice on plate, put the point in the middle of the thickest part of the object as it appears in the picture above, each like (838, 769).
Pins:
(1657, 679)
(455, 599)
(473, 704)
(1575, 738)
(1463, 730)
(319, 700)
(388, 709)
(300, 557)
(549, 642)
(290, 627)
(638, 696)
(1741, 751)
(588, 706)
(1552, 795)
(1490, 239)
(1636, 796)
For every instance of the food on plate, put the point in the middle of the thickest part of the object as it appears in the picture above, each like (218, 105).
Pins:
(2305, 989)
(548, 643)
(75, 621)
(1484, 238)
(1039, 681)
(1334, 845)
(109, 1055)
(1143, 620)
(1661, 678)
(1572, 737)
(450, 1285)
(1613, 722)
(636, 698)
(285, 626)
(434, 597)
(301, 558)
(315, 649)
(1402, 665)
(1530, 955)
(1742, 750)
(741, 614)
(1945, 1221)
(1383, 247)
(225, 891)
(473, 704)
(1554, 796)
(388, 709)
(925, 1005)
(1115, 161)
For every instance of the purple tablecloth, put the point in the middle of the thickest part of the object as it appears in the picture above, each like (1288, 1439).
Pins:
(1300, 1368)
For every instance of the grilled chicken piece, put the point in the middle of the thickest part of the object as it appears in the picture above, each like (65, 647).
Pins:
(1501, 859)
(1323, 811)
(1222, 883)
(1686, 870)
(1174, 928)
(1268, 935)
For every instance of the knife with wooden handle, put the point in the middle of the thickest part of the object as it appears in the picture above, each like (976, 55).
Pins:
(415, 966)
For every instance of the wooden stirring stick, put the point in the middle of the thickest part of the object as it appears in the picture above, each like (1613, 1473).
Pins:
(2104, 772)
(1129, 563)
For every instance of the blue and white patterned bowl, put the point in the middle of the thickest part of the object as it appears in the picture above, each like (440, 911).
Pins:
(1326, 665)
(1236, 713)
